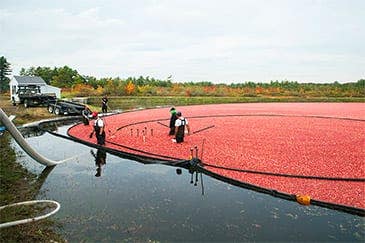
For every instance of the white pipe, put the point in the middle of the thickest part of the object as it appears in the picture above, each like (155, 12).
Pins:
(23, 144)
(28, 220)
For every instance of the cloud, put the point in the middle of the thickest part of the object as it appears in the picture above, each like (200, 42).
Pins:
(192, 40)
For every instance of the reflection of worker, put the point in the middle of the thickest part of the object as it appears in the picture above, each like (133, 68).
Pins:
(99, 130)
(172, 121)
(100, 160)
(180, 125)
(104, 104)
(86, 113)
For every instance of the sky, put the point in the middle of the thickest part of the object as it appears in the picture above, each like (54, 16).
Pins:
(207, 40)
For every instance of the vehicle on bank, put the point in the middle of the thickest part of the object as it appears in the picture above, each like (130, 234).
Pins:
(30, 96)
(32, 91)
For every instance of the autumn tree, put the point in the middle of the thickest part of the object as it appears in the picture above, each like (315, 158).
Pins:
(129, 88)
(114, 87)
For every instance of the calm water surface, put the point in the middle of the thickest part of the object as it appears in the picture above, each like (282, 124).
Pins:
(131, 201)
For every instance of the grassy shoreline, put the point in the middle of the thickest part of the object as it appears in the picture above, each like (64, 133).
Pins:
(17, 184)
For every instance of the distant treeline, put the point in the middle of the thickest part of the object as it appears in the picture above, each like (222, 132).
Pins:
(70, 80)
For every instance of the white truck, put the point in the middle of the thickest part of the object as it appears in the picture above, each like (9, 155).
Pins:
(32, 91)
(31, 96)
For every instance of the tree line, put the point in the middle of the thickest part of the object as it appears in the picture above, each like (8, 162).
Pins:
(70, 80)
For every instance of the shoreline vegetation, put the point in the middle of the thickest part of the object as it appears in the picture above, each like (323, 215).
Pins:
(71, 81)
(17, 184)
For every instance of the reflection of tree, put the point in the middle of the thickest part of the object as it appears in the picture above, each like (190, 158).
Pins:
(39, 130)
(100, 160)
(31, 132)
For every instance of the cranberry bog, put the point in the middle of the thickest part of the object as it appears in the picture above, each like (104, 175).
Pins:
(306, 152)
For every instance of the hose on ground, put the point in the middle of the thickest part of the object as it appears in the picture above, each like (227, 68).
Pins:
(29, 220)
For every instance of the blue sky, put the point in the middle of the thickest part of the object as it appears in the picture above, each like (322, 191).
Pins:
(218, 41)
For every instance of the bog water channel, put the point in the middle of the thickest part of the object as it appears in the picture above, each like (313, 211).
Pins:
(125, 200)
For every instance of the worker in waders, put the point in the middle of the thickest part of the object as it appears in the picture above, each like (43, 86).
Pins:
(99, 130)
(180, 125)
(172, 121)
(104, 104)
(86, 113)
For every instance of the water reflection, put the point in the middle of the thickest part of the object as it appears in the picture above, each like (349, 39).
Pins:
(36, 131)
(100, 160)
(193, 171)
(41, 179)
(31, 132)
(132, 201)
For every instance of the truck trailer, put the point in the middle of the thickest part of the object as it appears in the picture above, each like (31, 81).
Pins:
(63, 107)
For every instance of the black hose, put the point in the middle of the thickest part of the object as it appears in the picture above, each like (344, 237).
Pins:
(203, 129)
(162, 124)
(286, 196)
(287, 175)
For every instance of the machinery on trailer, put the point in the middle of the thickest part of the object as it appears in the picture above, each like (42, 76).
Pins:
(63, 107)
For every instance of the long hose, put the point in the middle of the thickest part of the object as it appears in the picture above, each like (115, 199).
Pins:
(37, 157)
(38, 184)
(24, 145)
(29, 220)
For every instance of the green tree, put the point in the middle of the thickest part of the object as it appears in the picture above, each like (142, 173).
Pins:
(66, 77)
(60, 77)
(361, 83)
(4, 72)
(46, 73)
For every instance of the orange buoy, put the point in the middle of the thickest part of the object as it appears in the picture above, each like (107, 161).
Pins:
(303, 199)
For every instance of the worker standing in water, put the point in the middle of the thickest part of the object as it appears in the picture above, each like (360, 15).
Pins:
(180, 125)
(172, 121)
(99, 130)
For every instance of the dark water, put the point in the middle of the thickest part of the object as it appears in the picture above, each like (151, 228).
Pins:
(131, 201)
